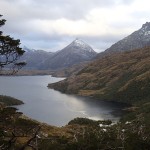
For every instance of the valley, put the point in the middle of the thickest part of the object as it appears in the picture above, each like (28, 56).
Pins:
(102, 103)
(75, 53)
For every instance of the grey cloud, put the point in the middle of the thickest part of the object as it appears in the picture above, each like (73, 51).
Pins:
(127, 2)
(140, 14)
(20, 14)
(54, 9)
(51, 42)
(103, 42)
(56, 42)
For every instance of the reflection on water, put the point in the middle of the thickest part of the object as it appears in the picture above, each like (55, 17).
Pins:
(53, 107)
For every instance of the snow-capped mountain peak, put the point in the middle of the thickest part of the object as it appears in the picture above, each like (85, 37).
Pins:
(79, 44)
(146, 26)
(75, 53)
(138, 39)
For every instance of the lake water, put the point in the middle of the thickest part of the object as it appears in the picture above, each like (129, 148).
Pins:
(52, 107)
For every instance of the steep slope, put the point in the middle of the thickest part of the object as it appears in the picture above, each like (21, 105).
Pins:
(121, 77)
(138, 39)
(35, 58)
(76, 52)
(67, 72)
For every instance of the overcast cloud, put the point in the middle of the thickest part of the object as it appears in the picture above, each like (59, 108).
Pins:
(53, 24)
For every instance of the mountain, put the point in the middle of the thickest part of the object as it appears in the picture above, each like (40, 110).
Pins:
(138, 39)
(34, 58)
(67, 72)
(121, 77)
(76, 52)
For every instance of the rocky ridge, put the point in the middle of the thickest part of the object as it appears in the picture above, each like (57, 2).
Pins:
(138, 39)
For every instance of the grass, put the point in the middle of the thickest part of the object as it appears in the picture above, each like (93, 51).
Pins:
(123, 77)
(9, 101)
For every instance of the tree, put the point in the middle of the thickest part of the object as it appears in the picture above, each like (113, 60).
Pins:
(10, 52)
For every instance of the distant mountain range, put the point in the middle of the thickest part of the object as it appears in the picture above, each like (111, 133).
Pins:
(34, 58)
(79, 52)
(76, 52)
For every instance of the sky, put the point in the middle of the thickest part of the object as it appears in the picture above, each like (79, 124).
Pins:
(53, 24)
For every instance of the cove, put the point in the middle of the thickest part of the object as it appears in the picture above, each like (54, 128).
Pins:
(52, 107)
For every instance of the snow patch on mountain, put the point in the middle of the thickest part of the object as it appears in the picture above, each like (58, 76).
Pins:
(79, 44)
(138, 39)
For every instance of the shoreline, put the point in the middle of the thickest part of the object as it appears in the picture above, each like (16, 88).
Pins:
(78, 115)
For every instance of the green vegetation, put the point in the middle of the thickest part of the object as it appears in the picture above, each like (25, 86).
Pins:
(21, 133)
(9, 101)
(123, 77)
(132, 132)
(85, 121)
(9, 52)
(70, 71)
(23, 72)
(17, 132)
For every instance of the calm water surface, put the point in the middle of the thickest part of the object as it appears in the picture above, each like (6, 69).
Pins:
(52, 107)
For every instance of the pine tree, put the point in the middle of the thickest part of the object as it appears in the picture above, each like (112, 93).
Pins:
(10, 52)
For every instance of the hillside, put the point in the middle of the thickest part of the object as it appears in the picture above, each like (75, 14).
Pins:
(67, 72)
(22, 133)
(75, 53)
(35, 58)
(9, 101)
(124, 73)
(138, 39)
(121, 77)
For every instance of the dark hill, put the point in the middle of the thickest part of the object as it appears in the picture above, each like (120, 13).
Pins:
(138, 39)
(75, 53)
(122, 77)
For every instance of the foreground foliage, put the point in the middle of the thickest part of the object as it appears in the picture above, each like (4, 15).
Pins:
(10, 52)
(21, 133)
(123, 77)
(9, 101)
